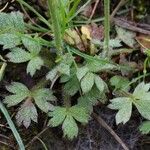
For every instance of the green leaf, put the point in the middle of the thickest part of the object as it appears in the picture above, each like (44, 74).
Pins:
(52, 74)
(128, 37)
(87, 82)
(64, 69)
(17, 87)
(42, 98)
(70, 127)
(124, 105)
(67, 117)
(99, 83)
(81, 72)
(31, 44)
(20, 92)
(145, 127)
(119, 82)
(91, 98)
(58, 116)
(97, 66)
(26, 114)
(79, 113)
(9, 40)
(18, 55)
(141, 91)
(11, 22)
(143, 107)
(34, 64)
(72, 86)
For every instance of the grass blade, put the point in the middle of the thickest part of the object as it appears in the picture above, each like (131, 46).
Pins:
(12, 126)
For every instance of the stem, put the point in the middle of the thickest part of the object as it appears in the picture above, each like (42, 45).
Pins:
(107, 27)
(54, 13)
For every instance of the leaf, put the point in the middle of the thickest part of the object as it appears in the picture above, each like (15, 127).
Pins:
(124, 105)
(119, 82)
(81, 72)
(26, 114)
(141, 91)
(58, 116)
(20, 92)
(99, 83)
(86, 31)
(87, 82)
(18, 55)
(52, 74)
(64, 69)
(42, 98)
(96, 66)
(79, 113)
(90, 99)
(128, 37)
(145, 127)
(31, 44)
(11, 22)
(34, 64)
(9, 40)
(66, 117)
(143, 107)
(70, 127)
(72, 86)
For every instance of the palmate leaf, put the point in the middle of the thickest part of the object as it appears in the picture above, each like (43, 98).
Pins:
(42, 98)
(19, 55)
(20, 92)
(26, 114)
(140, 98)
(124, 105)
(10, 25)
(11, 22)
(67, 117)
(9, 40)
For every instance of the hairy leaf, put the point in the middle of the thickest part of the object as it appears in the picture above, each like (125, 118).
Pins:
(72, 86)
(87, 82)
(19, 55)
(9, 40)
(20, 92)
(99, 83)
(42, 98)
(26, 114)
(70, 127)
(81, 72)
(34, 64)
(124, 105)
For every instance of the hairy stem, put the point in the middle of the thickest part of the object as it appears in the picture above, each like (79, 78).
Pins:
(54, 13)
(107, 27)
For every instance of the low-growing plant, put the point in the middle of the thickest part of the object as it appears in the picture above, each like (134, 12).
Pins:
(81, 83)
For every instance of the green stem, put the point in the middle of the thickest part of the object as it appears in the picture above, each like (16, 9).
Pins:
(54, 13)
(107, 27)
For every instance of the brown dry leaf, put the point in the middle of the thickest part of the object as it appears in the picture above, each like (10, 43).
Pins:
(86, 31)
(93, 32)
(144, 42)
